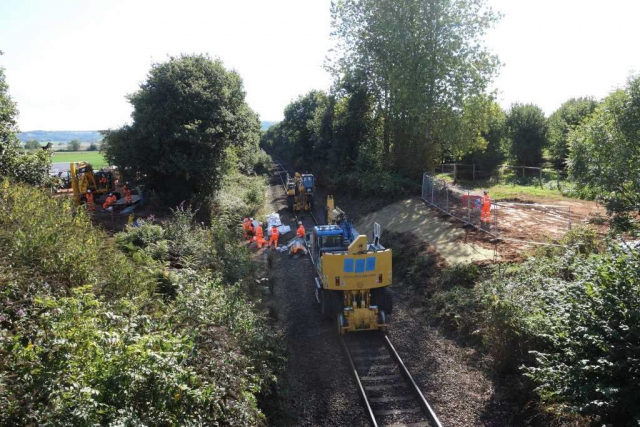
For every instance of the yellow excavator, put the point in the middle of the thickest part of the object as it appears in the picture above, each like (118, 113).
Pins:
(83, 178)
(300, 192)
(352, 274)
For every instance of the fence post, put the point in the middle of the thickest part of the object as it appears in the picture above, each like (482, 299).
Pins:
(473, 178)
(447, 191)
(540, 177)
(523, 172)
(569, 217)
(455, 172)
(468, 206)
(432, 185)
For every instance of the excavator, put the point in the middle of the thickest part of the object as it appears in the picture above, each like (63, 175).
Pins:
(83, 178)
(300, 192)
(352, 273)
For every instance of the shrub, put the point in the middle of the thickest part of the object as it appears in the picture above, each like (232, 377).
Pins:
(88, 337)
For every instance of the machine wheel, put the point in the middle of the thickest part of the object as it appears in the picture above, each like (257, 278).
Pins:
(383, 299)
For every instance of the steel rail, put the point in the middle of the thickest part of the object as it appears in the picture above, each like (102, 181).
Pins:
(363, 394)
(425, 408)
(433, 418)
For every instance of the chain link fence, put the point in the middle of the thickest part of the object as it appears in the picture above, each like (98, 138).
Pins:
(461, 204)
(527, 222)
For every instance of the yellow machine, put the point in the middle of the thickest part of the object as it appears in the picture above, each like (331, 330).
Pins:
(300, 192)
(352, 273)
(83, 178)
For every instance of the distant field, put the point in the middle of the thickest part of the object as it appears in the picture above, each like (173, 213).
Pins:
(96, 159)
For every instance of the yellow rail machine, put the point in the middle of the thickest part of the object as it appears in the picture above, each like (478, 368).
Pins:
(352, 273)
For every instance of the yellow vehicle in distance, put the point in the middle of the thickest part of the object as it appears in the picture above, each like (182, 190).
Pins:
(83, 178)
(352, 273)
(300, 192)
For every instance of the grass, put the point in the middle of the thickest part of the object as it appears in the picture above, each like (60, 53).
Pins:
(517, 189)
(96, 158)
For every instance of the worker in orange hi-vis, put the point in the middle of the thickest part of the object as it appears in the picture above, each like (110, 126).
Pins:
(103, 182)
(250, 230)
(273, 241)
(90, 203)
(245, 227)
(300, 232)
(485, 213)
(111, 199)
(259, 237)
(127, 195)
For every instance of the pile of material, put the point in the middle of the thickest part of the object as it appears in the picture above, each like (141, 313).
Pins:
(273, 219)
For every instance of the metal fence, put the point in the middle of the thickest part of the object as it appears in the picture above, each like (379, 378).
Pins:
(463, 205)
(527, 222)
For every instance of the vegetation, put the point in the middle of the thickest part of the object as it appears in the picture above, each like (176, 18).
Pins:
(185, 116)
(73, 145)
(30, 167)
(566, 319)
(527, 129)
(604, 154)
(564, 120)
(60, 136)
(32, 145)
(154, 330)
(96, 158)
(392, 112)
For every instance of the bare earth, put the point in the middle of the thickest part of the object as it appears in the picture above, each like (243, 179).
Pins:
(413, 215)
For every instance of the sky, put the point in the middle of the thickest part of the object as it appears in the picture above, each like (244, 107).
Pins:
(71, 63)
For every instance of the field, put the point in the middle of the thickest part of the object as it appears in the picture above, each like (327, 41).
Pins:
(96, 159)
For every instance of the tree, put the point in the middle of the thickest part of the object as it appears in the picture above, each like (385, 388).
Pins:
(488, 157)
(31, 145)
(605, 150)
(527, 130)
(562, 122)
(93, 147)
(422, 61)
(73, 145)
(32, 168)
(185, 116)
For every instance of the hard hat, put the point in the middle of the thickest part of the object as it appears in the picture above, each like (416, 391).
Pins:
(485, 192)
(299, 222)
(250, 219)
(88, 191)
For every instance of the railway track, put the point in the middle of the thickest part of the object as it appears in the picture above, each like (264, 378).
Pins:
(390, 395)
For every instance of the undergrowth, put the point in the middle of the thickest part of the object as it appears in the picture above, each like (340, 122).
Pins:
(565, 321)
(153, 327)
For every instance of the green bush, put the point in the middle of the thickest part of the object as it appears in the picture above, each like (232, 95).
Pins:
(375, 183)
(90, 335)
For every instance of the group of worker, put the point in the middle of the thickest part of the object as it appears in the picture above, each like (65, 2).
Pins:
(109, 201)
(255, 234)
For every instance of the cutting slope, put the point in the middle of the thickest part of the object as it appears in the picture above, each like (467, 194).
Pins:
(413, 215)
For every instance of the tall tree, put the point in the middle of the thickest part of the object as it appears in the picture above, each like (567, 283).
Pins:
(32, 168)
(605, 149)
(422, 60)
(562, 122)
(185, 115)
(527, 130)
